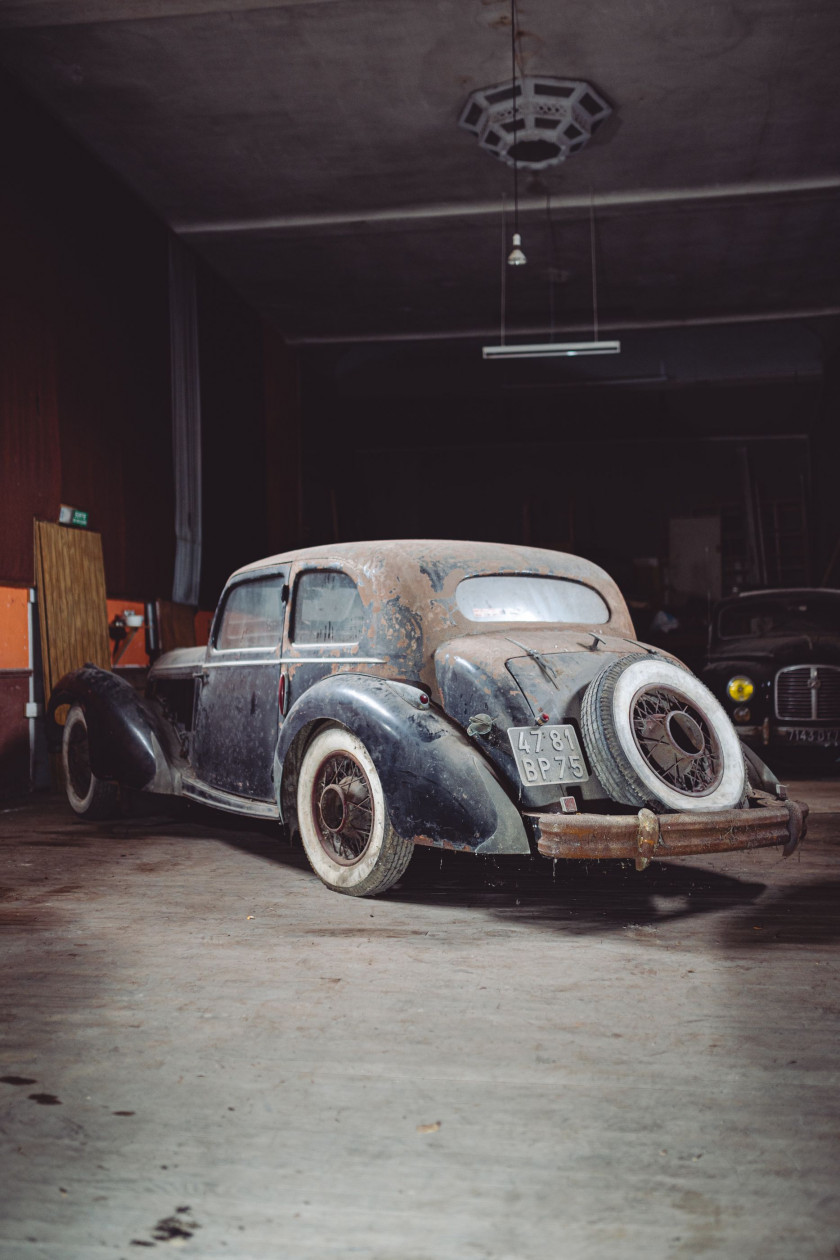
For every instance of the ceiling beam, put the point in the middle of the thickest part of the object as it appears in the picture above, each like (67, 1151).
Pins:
(474, 209)
(638, 325)
(25, 14)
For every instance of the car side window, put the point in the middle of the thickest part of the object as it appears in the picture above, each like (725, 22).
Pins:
(327, 608)
(252, 615)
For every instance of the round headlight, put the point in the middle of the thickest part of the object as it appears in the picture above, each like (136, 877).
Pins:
(740, 688)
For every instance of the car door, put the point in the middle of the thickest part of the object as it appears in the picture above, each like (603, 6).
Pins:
(237, 710)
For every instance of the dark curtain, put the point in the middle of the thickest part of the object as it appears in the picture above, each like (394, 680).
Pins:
(84, 356)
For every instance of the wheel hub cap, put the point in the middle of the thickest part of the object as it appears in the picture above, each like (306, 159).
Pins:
(685, 734)
(333, 807)
(677, 740)
(343, 809)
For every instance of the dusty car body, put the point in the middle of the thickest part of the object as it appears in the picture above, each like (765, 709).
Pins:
(472, 696)
(774, 662)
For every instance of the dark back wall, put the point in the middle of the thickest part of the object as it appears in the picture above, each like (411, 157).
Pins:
(84, 355)
(428, 440)
(85, 413)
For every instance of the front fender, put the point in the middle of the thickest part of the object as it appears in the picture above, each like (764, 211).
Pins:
(439, 789)
(127, 739)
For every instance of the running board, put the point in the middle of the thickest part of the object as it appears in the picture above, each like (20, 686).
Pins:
(206, 795)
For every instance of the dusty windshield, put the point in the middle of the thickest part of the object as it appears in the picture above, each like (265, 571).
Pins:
(780, 614)
(531, 598)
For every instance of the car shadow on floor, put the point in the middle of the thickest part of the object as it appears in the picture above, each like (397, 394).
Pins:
(581, 897)
(806, 914)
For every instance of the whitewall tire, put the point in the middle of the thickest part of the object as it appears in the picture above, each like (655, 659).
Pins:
(657, 737)
(89, 796)
(343, 818)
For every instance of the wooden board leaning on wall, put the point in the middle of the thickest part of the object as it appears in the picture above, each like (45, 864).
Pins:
(70, 577)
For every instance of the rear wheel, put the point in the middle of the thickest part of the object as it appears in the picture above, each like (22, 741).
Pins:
(89, 796)
(657, 737)
(343, 819)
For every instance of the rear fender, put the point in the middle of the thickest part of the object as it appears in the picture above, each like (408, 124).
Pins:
(128, 740)
(439, 789)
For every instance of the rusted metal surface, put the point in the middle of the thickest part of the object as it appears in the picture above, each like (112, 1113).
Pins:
(647, 838)
(634, 836)
(414, 630)
(408, 591)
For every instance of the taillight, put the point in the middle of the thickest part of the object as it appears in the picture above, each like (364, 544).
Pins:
(281, 694)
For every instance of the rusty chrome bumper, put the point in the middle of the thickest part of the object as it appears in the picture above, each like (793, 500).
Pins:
(647, 835)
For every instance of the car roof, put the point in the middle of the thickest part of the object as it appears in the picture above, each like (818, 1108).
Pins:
(790, 592)
(442, 556)
(408, 586)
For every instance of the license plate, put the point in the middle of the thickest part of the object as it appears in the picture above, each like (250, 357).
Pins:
(828, 736)
(547, 754)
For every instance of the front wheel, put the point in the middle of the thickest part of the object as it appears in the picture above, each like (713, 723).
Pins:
(89, 796)
(343, 819)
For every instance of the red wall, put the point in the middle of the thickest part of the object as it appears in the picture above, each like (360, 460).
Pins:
(84, 355)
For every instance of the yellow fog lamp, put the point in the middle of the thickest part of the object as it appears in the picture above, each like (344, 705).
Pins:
(740, 688)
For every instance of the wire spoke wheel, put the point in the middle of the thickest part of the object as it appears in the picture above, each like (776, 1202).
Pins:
(343, 808)
(676, 740)
(343, 818)
(658, 738)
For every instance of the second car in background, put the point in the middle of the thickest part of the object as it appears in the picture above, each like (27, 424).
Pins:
(774, 662)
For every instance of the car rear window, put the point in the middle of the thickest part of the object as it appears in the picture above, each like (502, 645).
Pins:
(530, 598)
(328, 608)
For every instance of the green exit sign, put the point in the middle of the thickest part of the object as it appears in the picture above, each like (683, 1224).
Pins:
(72, 516)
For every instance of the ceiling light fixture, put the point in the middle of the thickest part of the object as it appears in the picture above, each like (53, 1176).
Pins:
(535, 155)
(555, 119)
(551, 349)
(555, 349)
(516, 257)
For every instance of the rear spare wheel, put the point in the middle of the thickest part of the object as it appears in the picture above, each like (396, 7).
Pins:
(658, 738)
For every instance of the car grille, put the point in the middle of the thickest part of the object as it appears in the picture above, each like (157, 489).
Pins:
(808, 693)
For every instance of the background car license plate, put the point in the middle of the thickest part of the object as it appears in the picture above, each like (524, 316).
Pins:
(829, 736)
(547, 754)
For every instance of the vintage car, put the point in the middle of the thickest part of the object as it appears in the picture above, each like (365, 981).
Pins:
(774, 662)
(377, 696)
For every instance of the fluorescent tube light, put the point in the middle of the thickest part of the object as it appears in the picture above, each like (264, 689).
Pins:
(551, 349)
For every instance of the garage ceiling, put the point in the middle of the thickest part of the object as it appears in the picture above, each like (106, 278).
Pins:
(310, 150)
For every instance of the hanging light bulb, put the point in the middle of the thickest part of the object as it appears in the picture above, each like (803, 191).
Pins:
(516, 258)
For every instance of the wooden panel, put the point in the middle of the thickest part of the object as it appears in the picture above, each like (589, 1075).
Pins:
(176, 625)
(70, 577)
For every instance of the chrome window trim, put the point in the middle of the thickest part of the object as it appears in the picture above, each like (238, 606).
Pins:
(224, 651)
(333, 660)
(301, 660)
(327, 643)
(272, 660)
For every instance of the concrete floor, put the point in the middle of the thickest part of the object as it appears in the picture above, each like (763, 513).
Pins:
(205, 1048)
